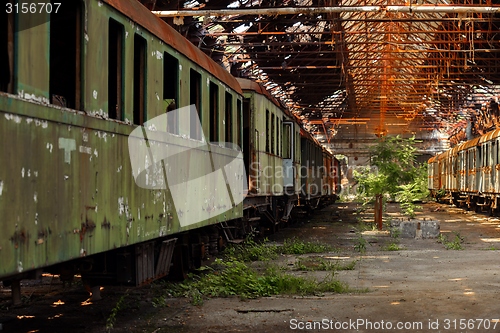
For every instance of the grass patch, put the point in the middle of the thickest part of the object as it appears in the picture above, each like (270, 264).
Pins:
(393, 247)
(234, 278)
(250, 250)
(297, 246)
(455, 244)
(321, 264)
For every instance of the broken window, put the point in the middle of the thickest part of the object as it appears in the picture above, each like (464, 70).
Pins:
(139, 80)
(6, 51)
(229, 117)
(115, 70)
(238, 122)
(171, 91)
(195, 98)
(214, 112)
(273, 130)
(65, 55)
(268, 135)
(287, 144)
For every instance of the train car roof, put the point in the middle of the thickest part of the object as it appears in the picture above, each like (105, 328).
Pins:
(443, 155)
(247, 84)
(433, 159)
(469, 144)
(138, 13)
(490, 136)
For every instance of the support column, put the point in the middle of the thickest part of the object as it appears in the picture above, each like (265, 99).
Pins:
(378, 211)
(16, 292)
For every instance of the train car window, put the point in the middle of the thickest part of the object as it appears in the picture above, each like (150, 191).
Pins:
(229, 117)
(268, 136)
(297, 156)
(6, 51)
(195, 98)
(247, 134)
(139, 80)
(115, 70)
(486, 154)
(477, 157)
(278, 141)
(214, 112)
(65, 55)
(287, 130)
(497, 153)
(273, 130)
(239, 120)
(493, 153)
(280, 136)
(171, 90)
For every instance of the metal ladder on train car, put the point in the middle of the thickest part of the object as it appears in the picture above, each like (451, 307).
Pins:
(226, 229)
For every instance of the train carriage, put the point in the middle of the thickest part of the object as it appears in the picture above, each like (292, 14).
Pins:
(311, 170)
(125, 145)
(67, 190)
(271, 159)
(468, 173)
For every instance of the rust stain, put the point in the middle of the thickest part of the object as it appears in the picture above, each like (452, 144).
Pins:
(105, 224)
(19, 237)
(88, 226)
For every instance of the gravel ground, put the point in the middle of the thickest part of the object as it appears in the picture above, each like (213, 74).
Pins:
(421, 288)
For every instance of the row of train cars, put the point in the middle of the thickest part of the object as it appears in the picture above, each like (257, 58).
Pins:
(106, 114)
(468, 175)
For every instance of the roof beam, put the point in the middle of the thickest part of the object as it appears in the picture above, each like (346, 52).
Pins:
(329, 10)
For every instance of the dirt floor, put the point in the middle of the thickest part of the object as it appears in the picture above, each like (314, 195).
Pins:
(421, 288)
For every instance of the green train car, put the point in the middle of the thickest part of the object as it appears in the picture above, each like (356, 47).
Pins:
(285, 165)
(121, 148)
(74, 86)
(272, 155)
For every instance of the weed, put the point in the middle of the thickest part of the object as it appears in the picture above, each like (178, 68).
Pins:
(235, 278)
(393, 247)
(360, 244)
(455, 244)
(320, 264)
(297, 246)
(491, 248)
(395, 232)
(250, 250)
(110, 322)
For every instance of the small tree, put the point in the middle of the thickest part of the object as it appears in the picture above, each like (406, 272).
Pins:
(394, 173)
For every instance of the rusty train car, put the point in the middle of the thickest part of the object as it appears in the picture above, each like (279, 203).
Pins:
(468, 175)
(82, 84)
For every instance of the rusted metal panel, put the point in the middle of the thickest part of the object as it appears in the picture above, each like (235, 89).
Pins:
(489, 136)
(67, 189)
(469, 144)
